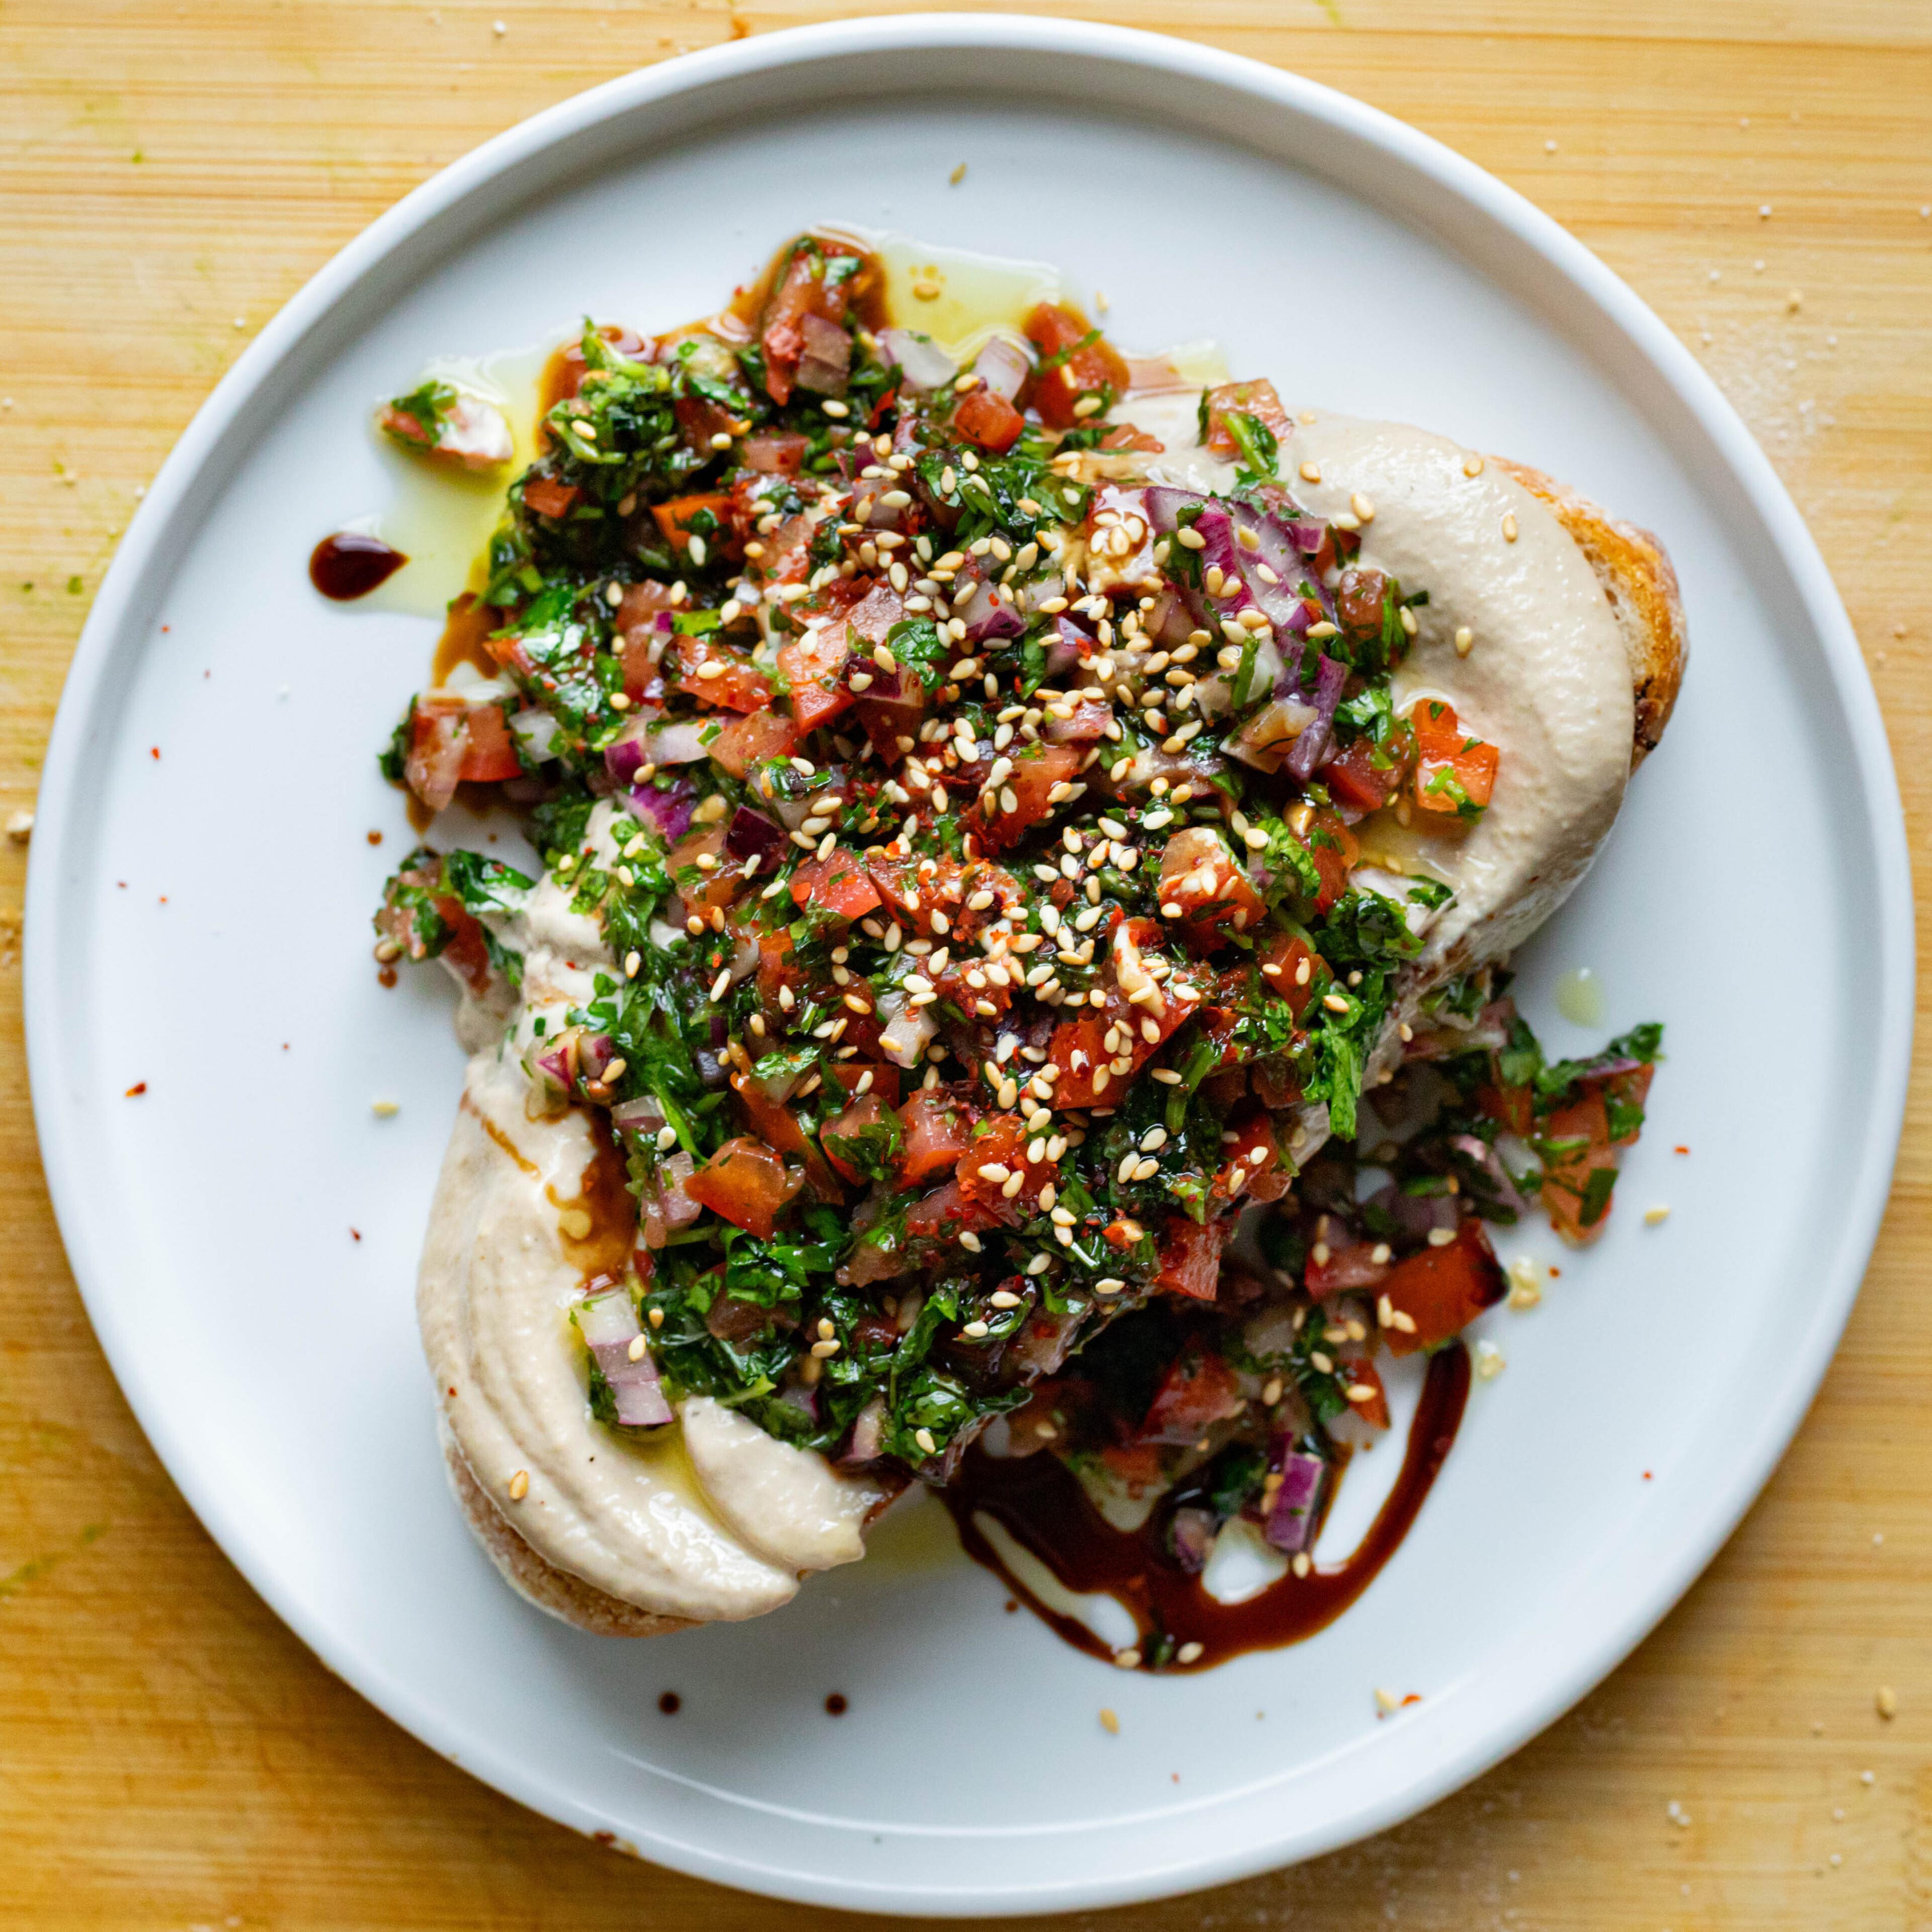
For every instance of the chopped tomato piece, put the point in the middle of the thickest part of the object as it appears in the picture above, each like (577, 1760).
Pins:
(1454, 773)
(706, 886)
(1000, 1143)
(988, 420)
(938, 1129)
(776, 452)
(807, 285)
(945, 1211)
(838, 883)
(1356, 779)
(489, 751)
(811, 667)
(1204, 885)
(1624, 1095)
(1124, 436)
(1255, 399)
(1077, 1050)
(1508, 1107)
(439, 741)
(867, 1111)
(1332, 1266)
(1137, 1464)
(1334, 850)
(1253, 1162)
(736, 685)
(1358, 1373)
(1197, 1391)
(778, 1126)
(701, 419)
(1076, 361)
(550, 498)
(1442, 1290)
(885, 1078)
(1190, 1257)
(747, 1183)
(1290, 969)
(1037, 772)
(760, 734)
(1577, 1180)
(675, 518)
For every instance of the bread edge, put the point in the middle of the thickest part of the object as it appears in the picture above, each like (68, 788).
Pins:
(1642, 590)
(534, 1577)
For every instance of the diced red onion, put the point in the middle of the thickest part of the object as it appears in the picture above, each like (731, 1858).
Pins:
(663, 1206)
(1282, 601)
(1002, 367)
(868, 1440)
(795, 1395)
(642, 1116)
(1293, 1514)
(670, 811)
(1418, 1215)
(922, 364)
(536, 732)
(751, 834)
(1042, 590)
(608, 1323)
(624, 754)
(1070, 647)
(595, 1051)
(1317, 741)
(1479, 1152)
(1191, 1537)
(827, 362)
(981, 609)
(680, 744)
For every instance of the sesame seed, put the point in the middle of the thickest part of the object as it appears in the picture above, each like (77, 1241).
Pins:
(1472, 466)
(1509, 528)
(1654, 1217)
(1441, 1237)
(1109, 1723)
(519, 1486)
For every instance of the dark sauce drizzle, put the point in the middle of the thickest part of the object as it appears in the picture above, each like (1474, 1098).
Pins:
(351, 564)
(1041, 1504)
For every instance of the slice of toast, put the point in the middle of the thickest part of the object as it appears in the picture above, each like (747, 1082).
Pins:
(534, 1577)
(1642, 587)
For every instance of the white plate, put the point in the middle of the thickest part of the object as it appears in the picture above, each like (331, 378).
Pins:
(1755, 896)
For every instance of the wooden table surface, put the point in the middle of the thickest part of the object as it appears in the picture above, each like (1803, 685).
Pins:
(170, 1757)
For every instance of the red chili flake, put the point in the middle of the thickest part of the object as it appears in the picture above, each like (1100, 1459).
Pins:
(154, 752)
(355, 1234)
(375, 838)
(835, 1705)
(669, 1703)
(1413, 1697)
(1682, 1149)
(139, 1087)
(1554, 1273)
(1646, 1475)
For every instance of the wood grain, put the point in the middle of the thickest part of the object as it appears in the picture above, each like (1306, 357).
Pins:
(169, 1756)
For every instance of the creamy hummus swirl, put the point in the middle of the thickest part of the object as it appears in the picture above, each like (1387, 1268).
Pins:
(713, 1520)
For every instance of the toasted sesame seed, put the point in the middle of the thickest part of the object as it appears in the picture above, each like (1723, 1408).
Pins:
(1109, 1723)
(519, 1486)
(1654, 1217)
(1472, 466)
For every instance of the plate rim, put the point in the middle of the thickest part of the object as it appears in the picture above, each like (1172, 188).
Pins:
(1624, 322)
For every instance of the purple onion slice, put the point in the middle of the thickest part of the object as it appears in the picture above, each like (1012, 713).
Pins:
(608, 1323)
(1293, 1515)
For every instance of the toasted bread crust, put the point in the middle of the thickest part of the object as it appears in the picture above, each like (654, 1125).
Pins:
(1641, 588)
(534, 1577)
